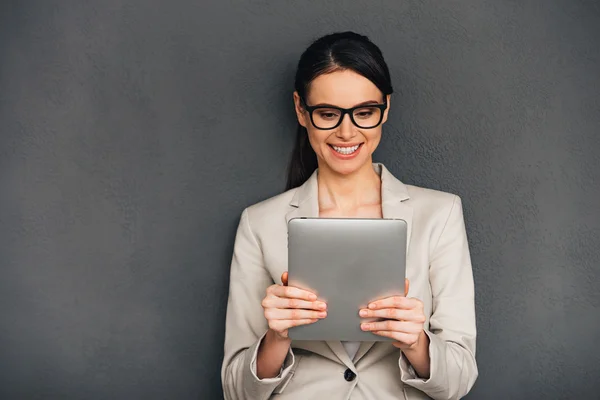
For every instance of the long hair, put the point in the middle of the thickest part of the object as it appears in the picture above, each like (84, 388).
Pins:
(334, 52)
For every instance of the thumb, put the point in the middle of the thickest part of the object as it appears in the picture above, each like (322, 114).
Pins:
(284, 278)
(406, 286)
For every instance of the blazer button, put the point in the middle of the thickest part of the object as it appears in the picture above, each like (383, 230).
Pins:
(349, 375)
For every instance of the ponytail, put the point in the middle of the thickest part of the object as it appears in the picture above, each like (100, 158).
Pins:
(303, 162)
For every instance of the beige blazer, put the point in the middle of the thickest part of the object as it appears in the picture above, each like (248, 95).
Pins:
(439, 269)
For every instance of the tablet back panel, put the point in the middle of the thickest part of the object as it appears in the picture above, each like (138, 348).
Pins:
(347, 263)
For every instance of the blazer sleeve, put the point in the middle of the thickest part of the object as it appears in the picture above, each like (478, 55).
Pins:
(245, 324)
(452, 330)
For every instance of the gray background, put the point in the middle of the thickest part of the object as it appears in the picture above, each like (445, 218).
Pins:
(133, 133)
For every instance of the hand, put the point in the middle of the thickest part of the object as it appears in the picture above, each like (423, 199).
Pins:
(404, 319)
(287, 306)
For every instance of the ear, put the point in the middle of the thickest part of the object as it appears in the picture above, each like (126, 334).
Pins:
(300, 111)
(387, 110)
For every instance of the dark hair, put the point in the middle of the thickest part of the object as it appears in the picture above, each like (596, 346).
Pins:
(334, 52)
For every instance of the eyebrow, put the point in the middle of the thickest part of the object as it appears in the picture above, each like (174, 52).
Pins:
(364, 103)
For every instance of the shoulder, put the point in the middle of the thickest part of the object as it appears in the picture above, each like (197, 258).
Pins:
(428, 196)
(433, 202)
(270, 209)
(420, 198)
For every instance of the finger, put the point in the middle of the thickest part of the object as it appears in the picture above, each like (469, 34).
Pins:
(406, 287)
(293, 314)
(394, 313)
(280, 302)
(292, 292)
(281, 325)
(392, 325)
(406, 303)
(402, 339)
(284, 278)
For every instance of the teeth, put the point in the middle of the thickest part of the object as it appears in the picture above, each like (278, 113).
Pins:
(345, 150)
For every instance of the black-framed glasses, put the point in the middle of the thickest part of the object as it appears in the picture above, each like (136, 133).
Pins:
(367, 116)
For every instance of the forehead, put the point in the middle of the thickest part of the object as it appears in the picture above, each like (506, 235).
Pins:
(342, 88)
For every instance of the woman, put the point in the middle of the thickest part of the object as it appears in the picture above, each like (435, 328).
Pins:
(342, 98)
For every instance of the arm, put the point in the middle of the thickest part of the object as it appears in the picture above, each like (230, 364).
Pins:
(418, 356)
(271, 355)
(452, 331)
(246, 325)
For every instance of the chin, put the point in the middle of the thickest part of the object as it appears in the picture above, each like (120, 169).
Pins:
(346, 167)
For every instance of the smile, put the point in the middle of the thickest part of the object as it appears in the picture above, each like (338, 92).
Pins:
(345, 150)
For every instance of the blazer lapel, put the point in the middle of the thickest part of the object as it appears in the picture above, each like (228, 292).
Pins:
(305, 202)
(393, 204)
(394, 196)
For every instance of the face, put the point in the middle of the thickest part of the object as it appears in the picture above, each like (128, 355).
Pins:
(346, 148)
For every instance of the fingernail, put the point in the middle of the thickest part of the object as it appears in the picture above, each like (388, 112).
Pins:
(322, 306)
(322, 314)
(371, 306)
(364, 313)
(312, 297)
(364, 327)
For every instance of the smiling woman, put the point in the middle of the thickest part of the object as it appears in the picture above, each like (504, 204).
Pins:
(342, 99)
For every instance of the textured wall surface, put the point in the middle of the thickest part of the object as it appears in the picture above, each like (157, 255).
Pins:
(133, 133)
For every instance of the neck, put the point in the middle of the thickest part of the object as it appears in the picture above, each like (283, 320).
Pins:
(348, 192)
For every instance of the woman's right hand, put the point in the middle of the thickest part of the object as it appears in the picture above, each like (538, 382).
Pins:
(287, 306)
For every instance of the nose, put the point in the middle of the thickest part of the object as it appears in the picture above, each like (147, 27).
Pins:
(346, 129)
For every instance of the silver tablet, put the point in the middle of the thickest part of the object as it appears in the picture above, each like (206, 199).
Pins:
(347, 263)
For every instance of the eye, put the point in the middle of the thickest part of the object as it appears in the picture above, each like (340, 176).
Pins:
(364, 113)
(328, 114)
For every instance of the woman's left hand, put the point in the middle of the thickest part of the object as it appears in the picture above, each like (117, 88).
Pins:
(404, 319)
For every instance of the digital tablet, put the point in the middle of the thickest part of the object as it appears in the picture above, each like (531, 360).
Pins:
(347, 263)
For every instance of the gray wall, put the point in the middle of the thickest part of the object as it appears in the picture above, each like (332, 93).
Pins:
(133, 133)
